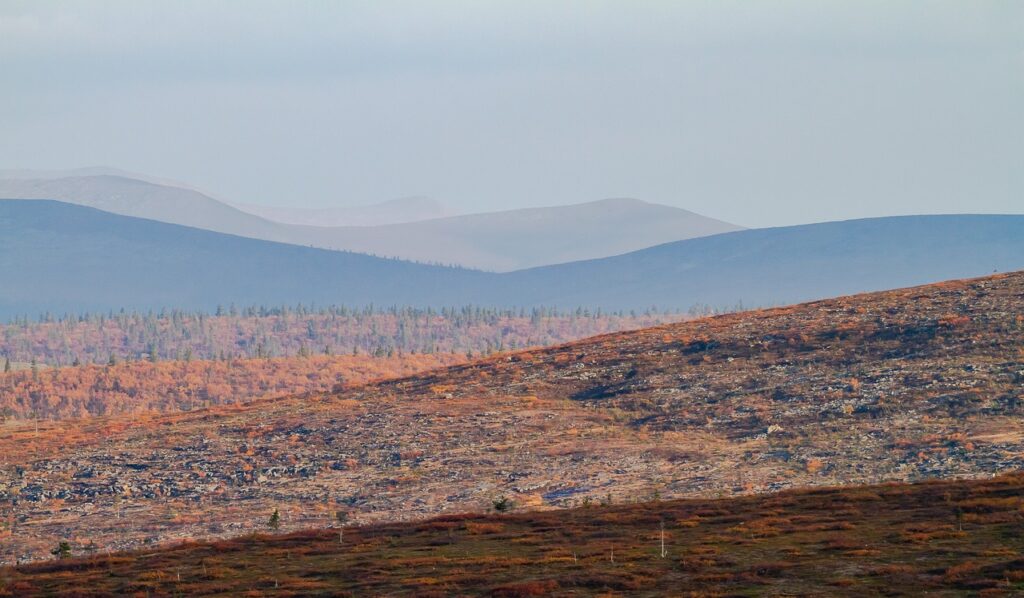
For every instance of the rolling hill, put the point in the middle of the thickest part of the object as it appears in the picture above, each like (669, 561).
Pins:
(524, 238)
(128, 196)
(774, 266)
(60, 257)
(902, 385)
(31, 182)
(498, 241)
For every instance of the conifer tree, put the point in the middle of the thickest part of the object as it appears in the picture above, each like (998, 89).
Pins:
(62, 551)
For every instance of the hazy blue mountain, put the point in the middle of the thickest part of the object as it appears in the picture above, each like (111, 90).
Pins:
(496, 241)
(61, 257)
(788, 264)
(394, 211)
(25, 173)
(14, 181)
(57, 256)
(524, 238)
(134, 197)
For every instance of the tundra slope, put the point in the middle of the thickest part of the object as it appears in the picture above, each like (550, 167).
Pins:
(941, 538)
(901, 385)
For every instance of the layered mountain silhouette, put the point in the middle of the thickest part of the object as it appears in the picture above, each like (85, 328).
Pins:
(60, 257)
(142, 199)
(498, 241)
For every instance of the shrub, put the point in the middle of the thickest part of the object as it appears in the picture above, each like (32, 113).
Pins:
(503, 505)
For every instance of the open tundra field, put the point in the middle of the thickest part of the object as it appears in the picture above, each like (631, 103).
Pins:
(939, 538)
(902, 385)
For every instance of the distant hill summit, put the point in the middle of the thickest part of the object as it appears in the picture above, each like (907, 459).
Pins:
(410, 228)
(529, 237)
(61, 257)
(128, 196)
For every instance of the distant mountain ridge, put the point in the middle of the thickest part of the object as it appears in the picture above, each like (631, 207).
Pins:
(34, 174)
(127, 196)
(395, 211)
(497, 241)
(789, 264)
(61, 257)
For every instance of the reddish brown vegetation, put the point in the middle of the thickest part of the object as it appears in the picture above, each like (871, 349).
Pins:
(163, 387)
(603, 550)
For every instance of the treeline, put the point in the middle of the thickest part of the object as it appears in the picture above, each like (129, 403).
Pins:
(465, 311)
(262, 332)
(162, 387)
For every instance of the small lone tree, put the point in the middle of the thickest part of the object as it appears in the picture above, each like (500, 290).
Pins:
(502, 505)
(275, 520)
(62, 551)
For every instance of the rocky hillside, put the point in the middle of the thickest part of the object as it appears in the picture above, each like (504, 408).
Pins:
(910, 384)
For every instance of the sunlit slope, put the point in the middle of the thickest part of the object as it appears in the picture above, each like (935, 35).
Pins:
(900, 385)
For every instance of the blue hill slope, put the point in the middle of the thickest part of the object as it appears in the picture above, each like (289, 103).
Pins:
(60, 257)
(789, 264)
(57, 257)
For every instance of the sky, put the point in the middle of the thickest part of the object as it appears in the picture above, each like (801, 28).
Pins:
(759, 113)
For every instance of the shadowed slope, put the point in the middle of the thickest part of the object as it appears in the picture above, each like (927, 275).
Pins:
(60, 257)
(941, 538)
(788, 264)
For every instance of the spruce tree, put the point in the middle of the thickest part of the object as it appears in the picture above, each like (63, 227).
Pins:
(62, 551)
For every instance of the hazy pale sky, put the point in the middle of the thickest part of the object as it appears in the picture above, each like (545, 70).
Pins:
(760, 113)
